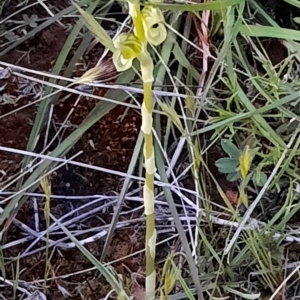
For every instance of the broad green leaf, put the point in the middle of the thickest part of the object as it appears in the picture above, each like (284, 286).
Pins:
(297, 20)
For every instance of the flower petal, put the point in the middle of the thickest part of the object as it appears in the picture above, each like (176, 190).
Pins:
(121, 63)
(153, 23)
(156, 35)
(129, 45)
(153, 15)
(121, 38)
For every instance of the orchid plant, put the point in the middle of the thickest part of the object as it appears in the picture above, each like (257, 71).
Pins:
(148, 28)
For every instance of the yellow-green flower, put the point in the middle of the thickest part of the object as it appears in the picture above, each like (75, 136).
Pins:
(128, 47)
(154, 25)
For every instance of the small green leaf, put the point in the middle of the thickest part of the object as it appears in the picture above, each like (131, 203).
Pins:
(234, 176)
(297, 20)
(227, 165)
(282, 128)
(230, 148)
(259, 178)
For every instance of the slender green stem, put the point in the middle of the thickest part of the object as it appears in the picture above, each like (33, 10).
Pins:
(149, 193)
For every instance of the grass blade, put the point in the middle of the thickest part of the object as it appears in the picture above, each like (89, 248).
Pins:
(211, 5)
(270, 32)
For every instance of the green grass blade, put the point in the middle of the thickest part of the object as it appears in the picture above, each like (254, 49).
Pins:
(268, 20)
(211, 5)
(105, 271)
(185, 287)
(182, 234)
(242, 295)
(231, 32)
(242, 116)
(96, 29)
(293, 2)
(270, 32)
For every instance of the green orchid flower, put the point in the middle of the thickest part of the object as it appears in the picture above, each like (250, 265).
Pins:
(154, 25)
(127, 48)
